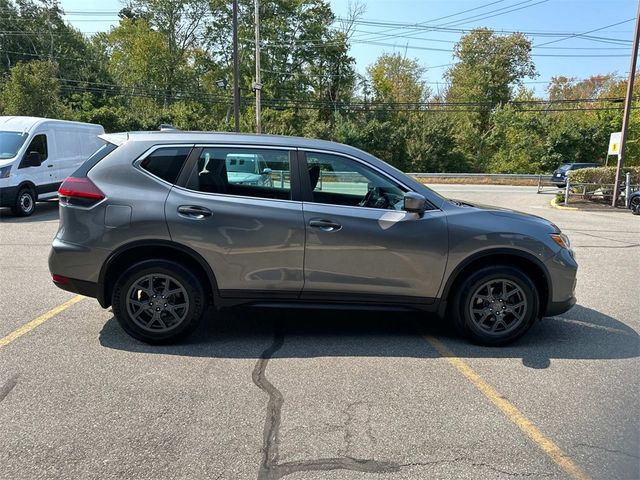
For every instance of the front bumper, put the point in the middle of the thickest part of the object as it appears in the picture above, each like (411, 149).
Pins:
(8, 196)
(556, 308)
(563, 269)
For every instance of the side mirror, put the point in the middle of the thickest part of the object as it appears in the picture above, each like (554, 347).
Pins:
(266, 171)
(33, 159)
(414, 203)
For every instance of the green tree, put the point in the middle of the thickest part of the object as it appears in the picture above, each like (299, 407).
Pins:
(32, 89)
(397, 79)
(488, 68)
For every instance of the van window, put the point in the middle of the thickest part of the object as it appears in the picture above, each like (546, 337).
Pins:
(39, 144)
(10, 143)
(166, 163)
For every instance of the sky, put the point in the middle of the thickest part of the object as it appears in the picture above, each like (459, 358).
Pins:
(553, 23)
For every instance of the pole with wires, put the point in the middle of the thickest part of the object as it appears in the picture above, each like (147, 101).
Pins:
(236, 69)
(627, 109)
(257, 86)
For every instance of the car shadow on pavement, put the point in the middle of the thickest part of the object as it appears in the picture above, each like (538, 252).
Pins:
(44, 211)
(581, 333)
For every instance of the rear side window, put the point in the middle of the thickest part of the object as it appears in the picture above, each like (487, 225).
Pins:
(93, 160)
(166, 162)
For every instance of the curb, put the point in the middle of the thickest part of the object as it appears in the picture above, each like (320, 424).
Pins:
(554, 204)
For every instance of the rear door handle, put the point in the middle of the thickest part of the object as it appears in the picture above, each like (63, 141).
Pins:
(325, 225)
(194, 211)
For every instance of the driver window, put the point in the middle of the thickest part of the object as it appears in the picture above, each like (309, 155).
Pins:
(339, 180)
(39, 144)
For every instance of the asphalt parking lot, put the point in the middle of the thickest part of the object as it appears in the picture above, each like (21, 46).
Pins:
(324, 395)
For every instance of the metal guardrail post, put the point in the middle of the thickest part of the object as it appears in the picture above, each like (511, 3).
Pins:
(281, 178)
(320, 179)
(566, 192)
(539, 183)
(627, 189)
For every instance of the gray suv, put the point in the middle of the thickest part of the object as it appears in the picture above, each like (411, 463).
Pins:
(154, 225)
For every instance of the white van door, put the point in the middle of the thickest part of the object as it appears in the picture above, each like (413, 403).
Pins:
(45, 176)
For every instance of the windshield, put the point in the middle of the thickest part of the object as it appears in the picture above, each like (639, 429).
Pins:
(242, 164)
(565, 167)
(10, 143)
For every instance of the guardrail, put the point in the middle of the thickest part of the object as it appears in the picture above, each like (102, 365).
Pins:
(497, 176)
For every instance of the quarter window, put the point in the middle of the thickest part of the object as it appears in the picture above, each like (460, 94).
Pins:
(166, 162)
(339, 180)
(244, 172)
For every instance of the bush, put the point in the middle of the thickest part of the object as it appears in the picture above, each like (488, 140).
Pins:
(602, 175)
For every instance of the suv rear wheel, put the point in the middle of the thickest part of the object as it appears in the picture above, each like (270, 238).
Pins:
(495, 305)
(158, 301)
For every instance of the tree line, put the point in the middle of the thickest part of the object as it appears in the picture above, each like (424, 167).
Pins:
(170, 61)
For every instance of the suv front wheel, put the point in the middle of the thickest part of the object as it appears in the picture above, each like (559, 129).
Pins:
(495, 305)
(158, 301)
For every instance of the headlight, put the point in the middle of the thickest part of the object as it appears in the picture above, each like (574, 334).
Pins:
(5, 171)
(562, 240)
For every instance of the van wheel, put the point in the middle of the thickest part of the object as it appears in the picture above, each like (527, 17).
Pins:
(495, 305)
(158, 301)
(25, 203)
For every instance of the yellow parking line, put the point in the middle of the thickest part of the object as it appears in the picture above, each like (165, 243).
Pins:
(27, 327)
(550, 448)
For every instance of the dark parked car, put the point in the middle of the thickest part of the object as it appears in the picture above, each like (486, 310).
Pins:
(559, 177)
(634, 202)
(154, 225)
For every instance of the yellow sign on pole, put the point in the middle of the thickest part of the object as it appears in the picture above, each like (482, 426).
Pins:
(614, 143)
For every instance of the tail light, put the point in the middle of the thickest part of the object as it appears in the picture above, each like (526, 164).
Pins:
(79, 191)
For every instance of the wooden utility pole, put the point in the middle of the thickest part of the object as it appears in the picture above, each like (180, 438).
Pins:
(236, 69)
(258, 85)
(627, 109)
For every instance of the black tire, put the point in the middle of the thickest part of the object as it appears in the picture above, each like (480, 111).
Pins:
(469, 309)
(25, 202)
(635, 205)
(132, 316)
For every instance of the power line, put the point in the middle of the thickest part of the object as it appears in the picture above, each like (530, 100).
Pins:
(587, 32)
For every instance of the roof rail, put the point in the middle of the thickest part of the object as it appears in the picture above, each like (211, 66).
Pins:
(167, 127)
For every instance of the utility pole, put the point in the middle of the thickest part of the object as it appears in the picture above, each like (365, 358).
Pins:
(627, 109)
(236, 69)
(258, 85)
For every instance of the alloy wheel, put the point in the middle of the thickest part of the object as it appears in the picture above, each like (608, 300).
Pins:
(498, 306)
(157, 303)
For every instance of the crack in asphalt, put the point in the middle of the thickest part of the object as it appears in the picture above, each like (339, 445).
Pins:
(8, 386)
(270, 469)
(620, 452)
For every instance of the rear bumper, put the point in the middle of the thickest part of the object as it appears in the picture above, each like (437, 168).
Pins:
(81, 287)
(79, 265)
(8, 196)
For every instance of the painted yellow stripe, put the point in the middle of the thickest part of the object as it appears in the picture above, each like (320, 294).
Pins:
(27, 327)
(547, 446)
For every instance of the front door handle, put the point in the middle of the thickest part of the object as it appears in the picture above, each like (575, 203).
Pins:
(194, 211)
(325, 225)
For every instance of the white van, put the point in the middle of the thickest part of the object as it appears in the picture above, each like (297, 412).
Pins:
(37, 154)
